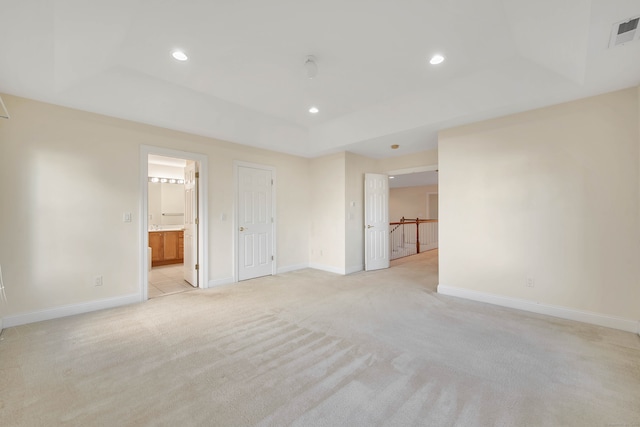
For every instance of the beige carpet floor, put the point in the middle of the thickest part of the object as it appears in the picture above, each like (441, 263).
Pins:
(310, 348)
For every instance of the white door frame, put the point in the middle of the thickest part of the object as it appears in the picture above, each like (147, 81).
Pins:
(203, 258)
(236, 264)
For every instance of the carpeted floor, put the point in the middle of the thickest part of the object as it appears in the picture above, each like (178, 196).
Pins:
(310, 348)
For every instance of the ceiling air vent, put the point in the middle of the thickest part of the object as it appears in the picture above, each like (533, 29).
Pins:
(624, 32)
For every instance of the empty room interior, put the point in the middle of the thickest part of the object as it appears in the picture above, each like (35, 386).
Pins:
(339, 213)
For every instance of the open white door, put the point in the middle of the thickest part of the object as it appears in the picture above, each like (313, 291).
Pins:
(376, 214)
(255, 222)
(191, 223)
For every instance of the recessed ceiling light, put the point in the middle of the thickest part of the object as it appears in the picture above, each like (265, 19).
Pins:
(436, 59)
(180, 55)
(313, 110)
(391, 177)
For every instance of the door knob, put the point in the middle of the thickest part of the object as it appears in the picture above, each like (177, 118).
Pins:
(369, 226)
(242, 228)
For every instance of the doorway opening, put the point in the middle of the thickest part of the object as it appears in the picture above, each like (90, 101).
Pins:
(173, 222)
(413, 211)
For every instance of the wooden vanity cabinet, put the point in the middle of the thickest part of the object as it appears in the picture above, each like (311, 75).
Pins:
(167, 247)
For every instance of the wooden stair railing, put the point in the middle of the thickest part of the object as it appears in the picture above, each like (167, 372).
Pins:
(417, 222)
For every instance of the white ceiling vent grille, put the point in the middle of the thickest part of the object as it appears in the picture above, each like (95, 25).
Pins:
(624, 32)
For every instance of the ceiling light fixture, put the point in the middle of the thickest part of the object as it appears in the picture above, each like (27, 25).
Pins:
(179, 55)
(311, 66)
(436, 59)
(395, 146)
(313, 110)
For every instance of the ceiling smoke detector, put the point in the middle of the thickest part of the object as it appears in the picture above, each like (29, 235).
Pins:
(624, 32)
(310, 66)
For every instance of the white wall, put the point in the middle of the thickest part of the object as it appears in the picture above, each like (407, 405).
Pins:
(67, 178)
(550, 194)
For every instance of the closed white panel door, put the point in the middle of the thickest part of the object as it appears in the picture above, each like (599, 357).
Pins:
(255, 223)
(190, 271)
(376, 212)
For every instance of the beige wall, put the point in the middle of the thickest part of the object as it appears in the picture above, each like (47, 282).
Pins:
(356, 166)
(550, 194)
(165, 171)
(67, 178)
(337, 201)
(327, 213)
(165, 197)
(410, 202)
(414, 160)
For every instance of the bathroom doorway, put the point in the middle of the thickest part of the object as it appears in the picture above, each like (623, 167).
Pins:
(166, 201)
(173, 236)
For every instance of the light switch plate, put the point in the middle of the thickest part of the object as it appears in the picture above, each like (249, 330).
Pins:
(126, 217)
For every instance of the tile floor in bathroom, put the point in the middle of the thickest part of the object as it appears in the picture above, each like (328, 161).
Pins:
(166, 280)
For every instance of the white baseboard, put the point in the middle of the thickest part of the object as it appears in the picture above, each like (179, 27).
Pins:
(549, 310)
(289, 268)
(327, 268)
(220, 282)
(342, 271)
(69, 310)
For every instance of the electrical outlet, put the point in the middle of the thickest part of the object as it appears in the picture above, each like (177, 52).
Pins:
(97, 281)
(530, 283)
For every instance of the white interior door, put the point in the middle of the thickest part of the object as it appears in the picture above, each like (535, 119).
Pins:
(255, 222)
(191, 223)
(376, 214)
